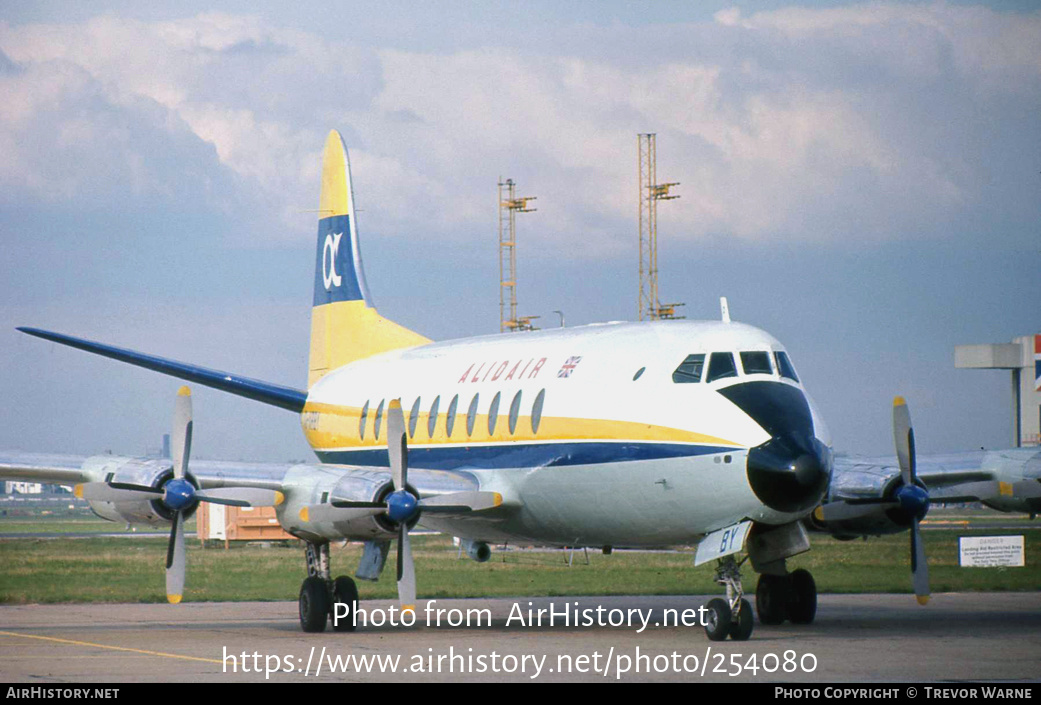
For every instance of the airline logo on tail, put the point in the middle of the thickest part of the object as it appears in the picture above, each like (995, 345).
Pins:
(335, 278)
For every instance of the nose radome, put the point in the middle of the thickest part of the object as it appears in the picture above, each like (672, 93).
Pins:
(789, 473)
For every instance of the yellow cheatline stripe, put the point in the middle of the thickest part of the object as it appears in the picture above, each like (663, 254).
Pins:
(111, 648)
(339, 430)
(184, 391)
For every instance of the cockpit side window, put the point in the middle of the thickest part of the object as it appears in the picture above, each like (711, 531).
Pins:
(784, 366)
(756, 362)
(721, 365)
(689, 370)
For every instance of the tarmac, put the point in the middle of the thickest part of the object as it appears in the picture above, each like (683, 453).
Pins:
(993, 637)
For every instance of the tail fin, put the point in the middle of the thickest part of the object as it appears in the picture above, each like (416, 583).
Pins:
(344, 325)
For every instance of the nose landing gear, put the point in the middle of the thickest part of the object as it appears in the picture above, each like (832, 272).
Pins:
(731, 617)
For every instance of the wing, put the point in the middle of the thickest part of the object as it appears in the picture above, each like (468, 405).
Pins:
(40, 467)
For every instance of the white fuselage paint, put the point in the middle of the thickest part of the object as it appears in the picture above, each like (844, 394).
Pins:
(614, 501)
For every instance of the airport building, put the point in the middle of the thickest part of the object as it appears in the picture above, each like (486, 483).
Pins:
(1023, 358)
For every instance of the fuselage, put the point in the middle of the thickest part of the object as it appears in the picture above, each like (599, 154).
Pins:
(608, 434)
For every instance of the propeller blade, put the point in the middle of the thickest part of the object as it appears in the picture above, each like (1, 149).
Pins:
(116, 492)
(175, 561)
(242, 497)
(406, 572)
(919, 566)
(843, 510)
(397, 447)
(460, 502)
(903, 436)
(329, 512)
(181, 438)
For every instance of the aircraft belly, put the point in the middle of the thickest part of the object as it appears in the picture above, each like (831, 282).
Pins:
(646, 503)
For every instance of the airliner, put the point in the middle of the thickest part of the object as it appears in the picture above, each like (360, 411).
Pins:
(609, 435)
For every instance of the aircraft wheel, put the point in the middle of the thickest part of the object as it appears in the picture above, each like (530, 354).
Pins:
(771, 598)
(741, 627)
(344, 592)
(718, 618)
(314, 604)
(802, 597)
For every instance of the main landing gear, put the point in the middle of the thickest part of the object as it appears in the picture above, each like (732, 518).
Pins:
(320, 594)
(731, 617)
(792, 596)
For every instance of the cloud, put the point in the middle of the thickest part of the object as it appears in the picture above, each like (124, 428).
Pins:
(865, 123)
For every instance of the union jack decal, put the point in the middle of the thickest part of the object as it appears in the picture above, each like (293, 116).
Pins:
(569, 366)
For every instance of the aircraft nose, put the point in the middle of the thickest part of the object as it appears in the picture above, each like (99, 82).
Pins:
(789, 473)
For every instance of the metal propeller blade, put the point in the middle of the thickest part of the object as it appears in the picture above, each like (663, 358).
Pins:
(460, 502)
(903, 436)
(181, 438)
(242, 497)
(406, 571)
(106, 492)
(332, 512)
(919, 566)
(175, 561)
(397, 446)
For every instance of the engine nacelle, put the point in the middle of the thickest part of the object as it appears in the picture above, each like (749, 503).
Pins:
(153, 472)
(312, 485)
(477, 550)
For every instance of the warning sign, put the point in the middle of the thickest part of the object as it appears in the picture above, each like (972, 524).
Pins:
(990, 551)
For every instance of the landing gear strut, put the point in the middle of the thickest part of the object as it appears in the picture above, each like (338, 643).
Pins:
(319, 594)
(792, 597)
(733, 616)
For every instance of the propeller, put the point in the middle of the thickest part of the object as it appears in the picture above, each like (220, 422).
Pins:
(910, 499)
(178, 494)
(401, 505)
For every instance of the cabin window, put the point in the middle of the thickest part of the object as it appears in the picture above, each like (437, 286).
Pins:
(756, 363)
(450, 416)
(689, 370)
(514, 412)
(720, 366)
(362, 419)
(413, 418)
(536, 411)
(432, 421)
(493, 413)
(379, 417)
(471, 415)
(784, 366)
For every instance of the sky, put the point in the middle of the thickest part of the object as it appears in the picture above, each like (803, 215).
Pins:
(861, 180)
